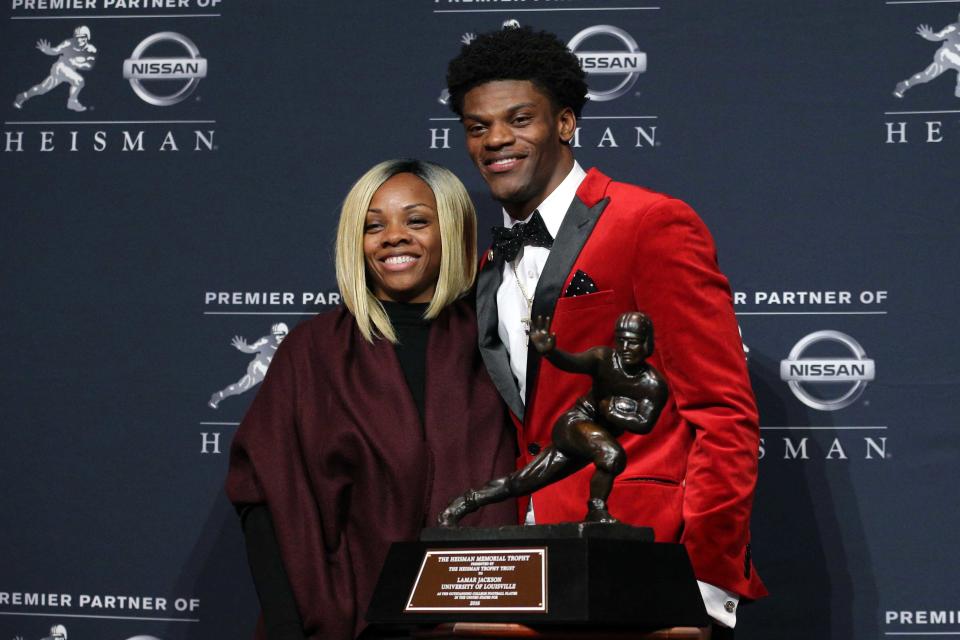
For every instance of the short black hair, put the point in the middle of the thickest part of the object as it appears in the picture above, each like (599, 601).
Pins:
(519, 53)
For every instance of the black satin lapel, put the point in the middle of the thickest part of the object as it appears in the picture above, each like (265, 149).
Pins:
(494, 353)
(576, 227)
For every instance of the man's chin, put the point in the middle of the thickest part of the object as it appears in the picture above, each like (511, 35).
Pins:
(506, 193)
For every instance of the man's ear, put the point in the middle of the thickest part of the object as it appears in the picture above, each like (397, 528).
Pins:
(566, 124)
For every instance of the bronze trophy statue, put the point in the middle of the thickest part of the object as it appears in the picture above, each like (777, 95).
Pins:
(596, 574)
(627, 395)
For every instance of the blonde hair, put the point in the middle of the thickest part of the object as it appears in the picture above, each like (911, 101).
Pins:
(458, 243)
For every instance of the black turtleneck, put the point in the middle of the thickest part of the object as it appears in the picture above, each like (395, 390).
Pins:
(412, 334)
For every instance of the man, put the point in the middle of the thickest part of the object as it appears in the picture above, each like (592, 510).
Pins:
(589, 250)
(265, 348)
(626, 394)
(947, 57)
(76, 54)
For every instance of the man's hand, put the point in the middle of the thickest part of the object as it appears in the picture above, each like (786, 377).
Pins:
(541, 338)
(925, 32)
(44, 45)
(239, 343)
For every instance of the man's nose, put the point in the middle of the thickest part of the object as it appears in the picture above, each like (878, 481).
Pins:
(499, 135)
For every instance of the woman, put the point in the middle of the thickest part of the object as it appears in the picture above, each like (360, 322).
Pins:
(361, 434)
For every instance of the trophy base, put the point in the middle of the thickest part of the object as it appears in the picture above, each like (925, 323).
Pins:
(491, 630)
(576, 574)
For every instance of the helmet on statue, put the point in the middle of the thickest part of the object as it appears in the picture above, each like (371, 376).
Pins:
(633, 322)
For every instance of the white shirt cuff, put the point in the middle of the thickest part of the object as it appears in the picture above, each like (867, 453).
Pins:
(721, 604)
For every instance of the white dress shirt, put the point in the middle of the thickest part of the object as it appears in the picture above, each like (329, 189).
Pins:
(519, 283)
(513, 307)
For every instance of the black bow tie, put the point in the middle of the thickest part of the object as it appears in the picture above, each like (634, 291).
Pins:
(508, 242)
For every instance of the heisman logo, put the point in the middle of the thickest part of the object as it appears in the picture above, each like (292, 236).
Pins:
(76, 54)
(629, 63)
(57, 632)
(796, 370)
(265, 348)
(191, 68)
(946, 58)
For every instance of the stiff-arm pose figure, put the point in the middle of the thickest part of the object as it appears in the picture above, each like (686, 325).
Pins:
(265, 348)
(627, 395)
(76, 54)
(947, 57)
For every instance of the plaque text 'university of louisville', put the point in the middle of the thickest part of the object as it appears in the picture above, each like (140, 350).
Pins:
(481, 579)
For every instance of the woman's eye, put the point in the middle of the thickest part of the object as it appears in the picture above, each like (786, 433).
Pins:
(372, 226)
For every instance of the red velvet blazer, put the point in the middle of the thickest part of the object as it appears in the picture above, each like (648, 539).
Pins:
(692, 478)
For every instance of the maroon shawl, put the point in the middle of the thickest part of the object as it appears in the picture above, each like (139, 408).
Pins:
(334, 446)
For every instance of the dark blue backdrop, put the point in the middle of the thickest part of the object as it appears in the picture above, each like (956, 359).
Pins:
(127, 234)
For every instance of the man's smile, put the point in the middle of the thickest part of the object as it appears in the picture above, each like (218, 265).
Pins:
(502, 164)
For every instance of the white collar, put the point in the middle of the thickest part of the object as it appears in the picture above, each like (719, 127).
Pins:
(555, 206)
